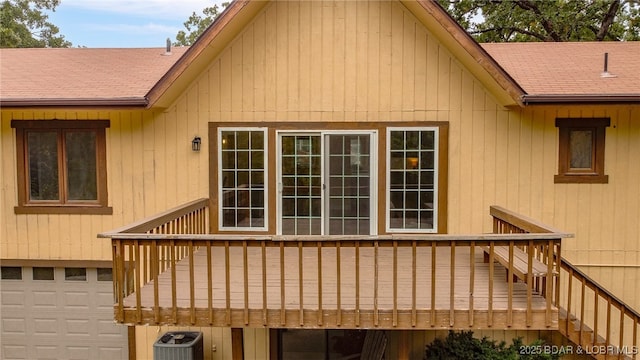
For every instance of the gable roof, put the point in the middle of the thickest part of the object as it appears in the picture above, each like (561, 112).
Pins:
(572, 72)
(81, 76)
(516, 73)
(429, 12)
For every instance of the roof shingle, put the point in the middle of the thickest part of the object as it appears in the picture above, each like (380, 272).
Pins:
(81, 73)
(548, 68)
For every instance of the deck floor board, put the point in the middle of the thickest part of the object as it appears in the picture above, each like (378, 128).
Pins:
(329, 280)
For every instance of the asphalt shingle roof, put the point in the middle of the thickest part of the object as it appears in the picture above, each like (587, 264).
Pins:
(548, 68)
(82, 73)
(127, 73)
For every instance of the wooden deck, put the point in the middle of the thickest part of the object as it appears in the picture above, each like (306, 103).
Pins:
(311, 288)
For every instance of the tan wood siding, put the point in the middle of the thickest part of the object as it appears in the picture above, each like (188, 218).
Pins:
(374, 62)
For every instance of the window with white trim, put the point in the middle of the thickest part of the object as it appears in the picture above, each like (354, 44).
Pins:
(242, 178)
(412, 178)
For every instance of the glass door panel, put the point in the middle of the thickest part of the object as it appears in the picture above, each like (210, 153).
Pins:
(325, 184)
(301, 182)
(349, 181)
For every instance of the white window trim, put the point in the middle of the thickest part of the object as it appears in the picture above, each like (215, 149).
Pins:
(266, 179)
(436, 173)
(373, 186)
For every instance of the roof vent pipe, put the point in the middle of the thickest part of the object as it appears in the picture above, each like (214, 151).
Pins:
(168, 48)
(606, 73)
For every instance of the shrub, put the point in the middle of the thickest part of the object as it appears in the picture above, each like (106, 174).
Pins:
(462, 345)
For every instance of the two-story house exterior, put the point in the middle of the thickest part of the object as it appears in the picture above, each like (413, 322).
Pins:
(309, 172)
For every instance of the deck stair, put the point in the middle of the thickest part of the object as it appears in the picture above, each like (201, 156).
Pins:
(590, 316)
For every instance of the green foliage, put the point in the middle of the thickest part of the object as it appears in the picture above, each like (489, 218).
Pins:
(23, 24)
(549, 20)
(197, 24)
(462, 345)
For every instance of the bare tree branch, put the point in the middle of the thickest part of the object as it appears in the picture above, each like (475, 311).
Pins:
(546, 24)
(608, 19)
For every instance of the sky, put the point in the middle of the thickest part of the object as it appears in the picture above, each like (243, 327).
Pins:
(124, 23)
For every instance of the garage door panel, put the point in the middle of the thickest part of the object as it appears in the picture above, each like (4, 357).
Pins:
(14, 351)
(76, 300)
(46, 352)
(13, 326)
(104, 300)
(78, 327)
(45, 327)
(107, 328)
(59, 319)
(45, 299)
(108, 353)
(79, 352)
(13, 298)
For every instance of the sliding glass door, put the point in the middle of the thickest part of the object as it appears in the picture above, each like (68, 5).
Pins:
(325, 183)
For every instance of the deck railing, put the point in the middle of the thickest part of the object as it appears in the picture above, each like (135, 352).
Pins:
(388, 281)
(594, 318)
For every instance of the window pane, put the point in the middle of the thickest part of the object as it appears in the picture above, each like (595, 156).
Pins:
(11, 273)
(411, 178)
(75, 274)
(42, 273)
(43, 165)
(80, 149)
(243, 179)
(581, 149)
(105, 274)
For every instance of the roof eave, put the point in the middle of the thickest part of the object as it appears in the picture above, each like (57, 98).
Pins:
(162, 93)
(75, 102)
(541, 99)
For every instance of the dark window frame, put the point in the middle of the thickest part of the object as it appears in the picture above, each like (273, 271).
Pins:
(595, 173)
(62, 206)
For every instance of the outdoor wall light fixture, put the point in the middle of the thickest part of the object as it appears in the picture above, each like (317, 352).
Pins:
(195, 143)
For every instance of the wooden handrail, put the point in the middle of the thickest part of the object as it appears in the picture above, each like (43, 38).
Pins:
(586, 316)
(148, 225)
(156, 246)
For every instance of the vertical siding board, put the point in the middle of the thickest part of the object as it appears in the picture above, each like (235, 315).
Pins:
(432, 72)
(373, 60)
(338, 59)
(444, 63)
(236, 77)
(136, 201)
(270, 57)
(326, 44)
(259, 61)
(513, 156)
(385, 73)
(420, 74)
(225, 84)
(408, 63)
(525, 162)
(148, 163)
(282, 47)
(397, 74)
(171, 160)
(304, 73)
(350, 53)
(248, 75)
(362, 55)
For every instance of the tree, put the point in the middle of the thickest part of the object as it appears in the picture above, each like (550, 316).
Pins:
(197, 24)
(560, 20)
(23, 23)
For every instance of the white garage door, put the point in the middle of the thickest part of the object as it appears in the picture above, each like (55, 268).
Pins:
(59, 313)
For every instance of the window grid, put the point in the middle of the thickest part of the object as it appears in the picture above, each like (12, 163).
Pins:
(301, 185)
(412, 177)
(242, 179)
(349, 186)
